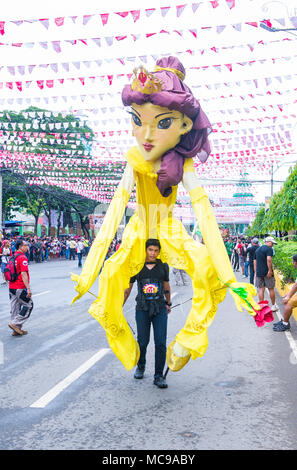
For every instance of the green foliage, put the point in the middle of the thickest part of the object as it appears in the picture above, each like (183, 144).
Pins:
(282, 213)
(37, 199)
(258, 226)
(282, 260)
(249, 231)
(13, 197)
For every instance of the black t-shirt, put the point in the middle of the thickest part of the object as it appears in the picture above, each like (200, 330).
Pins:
(150, 283)
(160, 272)
(261, 257)
(251, 251)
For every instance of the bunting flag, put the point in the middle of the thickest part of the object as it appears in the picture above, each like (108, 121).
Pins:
(62, 122)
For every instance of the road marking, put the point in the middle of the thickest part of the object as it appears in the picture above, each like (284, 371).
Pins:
(290, 338)
(54, 392)
(41, 293)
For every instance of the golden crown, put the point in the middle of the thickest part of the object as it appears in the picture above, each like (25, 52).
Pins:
(145, 82)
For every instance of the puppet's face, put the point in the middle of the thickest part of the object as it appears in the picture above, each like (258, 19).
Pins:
(157, 129)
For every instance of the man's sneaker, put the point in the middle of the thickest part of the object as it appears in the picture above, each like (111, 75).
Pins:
(274, 308)
(15, 329)
(280, 326)
(138, 373)
(160, 382)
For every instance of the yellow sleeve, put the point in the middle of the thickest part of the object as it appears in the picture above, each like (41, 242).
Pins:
(211, 234)
(189, 165)
(101, 243)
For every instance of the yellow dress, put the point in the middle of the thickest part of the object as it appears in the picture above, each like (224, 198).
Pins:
(207, 264)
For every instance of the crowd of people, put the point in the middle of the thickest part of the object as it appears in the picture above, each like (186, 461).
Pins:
(254, 260)
(248, 256)
(241, 252)
(43, 249)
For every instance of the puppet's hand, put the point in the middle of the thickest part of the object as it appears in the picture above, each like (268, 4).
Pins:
(243, 293)
(81, 287)
(177, 356)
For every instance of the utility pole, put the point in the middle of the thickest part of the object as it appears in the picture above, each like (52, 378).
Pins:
(271, 182)
(273, 171)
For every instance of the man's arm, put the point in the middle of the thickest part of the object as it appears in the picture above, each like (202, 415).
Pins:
(25, 279)
(269, 264)
(293, 291)
(127, 292)
(167, 292)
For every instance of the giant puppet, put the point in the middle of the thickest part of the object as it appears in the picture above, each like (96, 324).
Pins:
(170, 129)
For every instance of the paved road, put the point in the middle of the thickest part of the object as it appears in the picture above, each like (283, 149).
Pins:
(61, 390)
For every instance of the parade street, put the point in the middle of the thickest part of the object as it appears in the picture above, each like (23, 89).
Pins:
(62, 387)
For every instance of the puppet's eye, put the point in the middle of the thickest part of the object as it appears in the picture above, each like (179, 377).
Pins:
(136, 120)
(165, 123)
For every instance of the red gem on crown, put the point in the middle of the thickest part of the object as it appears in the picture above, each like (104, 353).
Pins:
(142, 77)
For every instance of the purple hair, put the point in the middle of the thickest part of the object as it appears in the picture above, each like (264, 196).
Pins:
(177, 96)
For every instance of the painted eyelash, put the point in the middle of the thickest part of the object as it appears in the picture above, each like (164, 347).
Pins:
(134, 115)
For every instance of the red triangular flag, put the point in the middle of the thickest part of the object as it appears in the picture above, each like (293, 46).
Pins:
(59, 21)
(104, 18)
(135, 14)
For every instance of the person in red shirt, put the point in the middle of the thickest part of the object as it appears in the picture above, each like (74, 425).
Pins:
(20, 294)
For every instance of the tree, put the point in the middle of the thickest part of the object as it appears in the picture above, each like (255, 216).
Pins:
(13, 196)
(257, 227)
(34, 199)
(35, 203)
(282, 213)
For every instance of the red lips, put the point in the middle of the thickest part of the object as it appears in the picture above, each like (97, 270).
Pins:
(147, 147)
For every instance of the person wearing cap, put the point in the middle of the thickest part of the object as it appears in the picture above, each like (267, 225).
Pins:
(264, 271)
(290, 302)
(251, 250)
(20, 294)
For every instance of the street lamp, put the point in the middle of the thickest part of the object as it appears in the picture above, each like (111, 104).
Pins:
(266, 24)
(273, 171)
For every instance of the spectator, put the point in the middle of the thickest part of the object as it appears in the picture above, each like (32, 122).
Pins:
(19, 291)
(72, 247)
(241, 254)
(37, 249)
(67, 248)
(236, 256)
(5, 254)
(87, 246)
(79, 249)
(264, 271)
(290, 302)
(229, 247)
(251, 250)
(246, 260)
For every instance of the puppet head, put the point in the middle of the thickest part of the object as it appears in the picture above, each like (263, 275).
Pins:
(164, 88)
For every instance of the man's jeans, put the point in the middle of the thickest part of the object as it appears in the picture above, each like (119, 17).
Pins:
(79, 255)
(252, 274)
(160, 334)
(246, 268)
